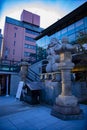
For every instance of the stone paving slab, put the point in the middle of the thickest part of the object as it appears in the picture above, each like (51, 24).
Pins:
(37, 118)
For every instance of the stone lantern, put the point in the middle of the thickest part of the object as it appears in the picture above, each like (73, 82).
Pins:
(66, 105)
(24, 70)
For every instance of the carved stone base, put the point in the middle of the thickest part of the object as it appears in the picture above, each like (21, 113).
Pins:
(67, 113)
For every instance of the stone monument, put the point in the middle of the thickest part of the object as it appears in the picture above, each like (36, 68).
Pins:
(23, 73)
(24, 70)
(66, 105)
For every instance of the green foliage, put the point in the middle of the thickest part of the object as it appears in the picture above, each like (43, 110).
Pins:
(81, 40)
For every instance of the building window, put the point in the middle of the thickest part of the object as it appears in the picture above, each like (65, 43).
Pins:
(13, 51)
(58, 33)
(71, 29)
(31, 32)
(15, 28)
(85, 20)
(14, 34)
(26, 54)
(29, 46)
(72, 38)
(14, 43)
(6, 53)
(63, 31)
(29, 39)
(79, 25)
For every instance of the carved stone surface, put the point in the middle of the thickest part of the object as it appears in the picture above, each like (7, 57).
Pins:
(68, 110)
(70, 113)
(53, 58)
(52, 89)
(64, 47)
(66, 101)
(24, 70)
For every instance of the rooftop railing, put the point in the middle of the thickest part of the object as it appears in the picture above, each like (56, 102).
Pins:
(9, 65)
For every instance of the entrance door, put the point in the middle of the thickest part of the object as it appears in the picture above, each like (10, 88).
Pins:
(2, 85)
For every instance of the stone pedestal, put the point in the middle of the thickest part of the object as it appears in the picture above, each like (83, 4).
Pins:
(66, 105)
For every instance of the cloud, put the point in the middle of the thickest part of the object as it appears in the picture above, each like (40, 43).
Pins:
(48, 15)
(49, 10)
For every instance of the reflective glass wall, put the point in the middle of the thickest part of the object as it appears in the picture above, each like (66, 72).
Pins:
(71, 31)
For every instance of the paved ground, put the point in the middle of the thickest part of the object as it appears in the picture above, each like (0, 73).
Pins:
(16, 115)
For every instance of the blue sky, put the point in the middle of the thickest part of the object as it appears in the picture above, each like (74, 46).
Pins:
(49, 10)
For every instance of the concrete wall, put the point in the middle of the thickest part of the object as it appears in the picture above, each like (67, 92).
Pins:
(15, 78)
(29, 17)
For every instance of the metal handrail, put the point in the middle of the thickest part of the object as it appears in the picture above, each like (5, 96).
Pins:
(33, 76)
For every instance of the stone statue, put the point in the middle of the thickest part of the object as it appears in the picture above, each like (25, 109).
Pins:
(52, 57)
(65, 46)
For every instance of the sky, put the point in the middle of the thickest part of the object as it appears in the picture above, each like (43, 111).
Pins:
(49, 10)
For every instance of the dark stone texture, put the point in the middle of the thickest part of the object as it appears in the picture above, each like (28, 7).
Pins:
(64, 113)
(67, 110)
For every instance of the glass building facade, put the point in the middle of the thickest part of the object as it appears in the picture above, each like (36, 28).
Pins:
(71, 32)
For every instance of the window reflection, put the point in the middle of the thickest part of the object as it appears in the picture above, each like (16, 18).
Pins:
(70, 31)
(71, 38)
(79, 25)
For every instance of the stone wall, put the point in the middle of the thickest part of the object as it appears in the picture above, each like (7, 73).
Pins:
(79, 89)
(52, 89)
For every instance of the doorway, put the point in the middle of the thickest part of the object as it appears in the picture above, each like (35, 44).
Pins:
(3, 84)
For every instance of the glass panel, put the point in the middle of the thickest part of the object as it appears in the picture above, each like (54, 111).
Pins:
(31, 32)
(30, 46)
(29, 39)
(47, 41)
(26, 54)
(86, 30)
(79, 25)
(72, 38)
(71, 29)
(63, 31)
(41, 48)
(81, 32)
(85, 20)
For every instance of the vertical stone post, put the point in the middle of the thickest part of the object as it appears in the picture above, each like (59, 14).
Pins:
(24, 70)
(23, 73)
(65, 67)
(66, 105)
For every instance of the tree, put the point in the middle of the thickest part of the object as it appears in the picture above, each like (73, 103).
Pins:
(82, 41)
(82, 58)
